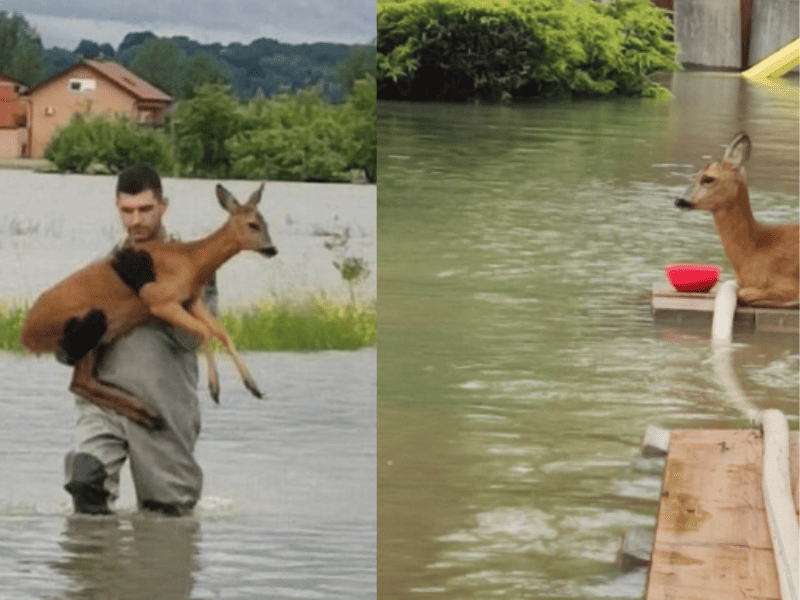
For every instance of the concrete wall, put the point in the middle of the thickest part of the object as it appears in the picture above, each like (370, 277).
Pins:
(709, 33)
(775, 23)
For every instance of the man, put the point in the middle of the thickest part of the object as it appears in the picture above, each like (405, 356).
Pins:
(157, 363)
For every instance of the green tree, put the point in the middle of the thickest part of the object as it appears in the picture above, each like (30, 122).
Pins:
(158, 61)
(164, 64)
(202, 69)
(21, 53)
(362, 106)
(200, 127)
(357, 64)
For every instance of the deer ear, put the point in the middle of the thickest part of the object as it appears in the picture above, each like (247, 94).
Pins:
(226, 199)
(737, 151)
(255, 197)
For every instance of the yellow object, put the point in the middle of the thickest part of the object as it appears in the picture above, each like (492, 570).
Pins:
(777, 63)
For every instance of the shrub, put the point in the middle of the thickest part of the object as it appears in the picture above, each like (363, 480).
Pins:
(294, 138)
(200, 128)
(112, 144)
(495, 49)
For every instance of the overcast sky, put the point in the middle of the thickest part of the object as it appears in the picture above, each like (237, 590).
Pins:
(65, 24)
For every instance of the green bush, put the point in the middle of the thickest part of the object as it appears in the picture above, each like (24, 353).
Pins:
(296, 137)
(497, 49)
(111, 144)
(200, 128)
(302, 138)
(293, 138)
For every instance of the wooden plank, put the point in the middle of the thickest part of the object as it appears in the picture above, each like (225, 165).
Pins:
(689, 308)
(712, 538)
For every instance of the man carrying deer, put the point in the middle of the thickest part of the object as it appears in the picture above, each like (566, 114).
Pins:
(153, 361)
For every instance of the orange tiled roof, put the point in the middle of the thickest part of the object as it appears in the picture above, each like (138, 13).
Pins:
(133, 84)
(127, 80)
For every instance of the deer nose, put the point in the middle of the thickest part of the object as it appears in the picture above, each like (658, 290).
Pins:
(682, 203)
(269, 252)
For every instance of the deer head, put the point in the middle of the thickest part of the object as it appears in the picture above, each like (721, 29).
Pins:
(248, 223)
(719, 182)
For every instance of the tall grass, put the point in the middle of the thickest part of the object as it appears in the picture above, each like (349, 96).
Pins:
(316, 324)
(11, 318)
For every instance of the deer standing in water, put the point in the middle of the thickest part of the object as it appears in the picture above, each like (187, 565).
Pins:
(764, 258)
(100, 303)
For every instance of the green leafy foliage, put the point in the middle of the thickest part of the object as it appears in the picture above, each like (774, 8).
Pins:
(302, 138)
(295, 137)
(111, 144)
(164, 64)
(200, 128)
(498, 49)
(22, 56)
(356, 65)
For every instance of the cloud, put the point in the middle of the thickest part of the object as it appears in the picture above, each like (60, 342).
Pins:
(64, 24)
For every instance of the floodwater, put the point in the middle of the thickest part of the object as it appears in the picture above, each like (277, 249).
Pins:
(51, 225)
(288, 507)
(288, 503)
(519, 364)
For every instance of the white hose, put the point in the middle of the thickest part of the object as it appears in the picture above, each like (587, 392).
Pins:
(724, 311)
(776, 480)
(777, 485)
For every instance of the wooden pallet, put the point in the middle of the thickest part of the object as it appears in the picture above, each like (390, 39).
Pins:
(671, 307)
(712, 538)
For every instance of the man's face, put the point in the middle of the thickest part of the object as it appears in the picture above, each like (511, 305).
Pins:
(141, 215)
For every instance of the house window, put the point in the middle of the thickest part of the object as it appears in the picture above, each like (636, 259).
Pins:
(82, 85)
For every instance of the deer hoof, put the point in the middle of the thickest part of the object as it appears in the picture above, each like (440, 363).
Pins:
(251, 385)
(214, 391)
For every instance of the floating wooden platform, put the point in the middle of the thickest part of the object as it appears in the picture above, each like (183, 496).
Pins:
(712, 538)
(695, 309)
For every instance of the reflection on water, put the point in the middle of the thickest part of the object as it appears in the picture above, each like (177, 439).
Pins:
(108, 557)
(519, 364)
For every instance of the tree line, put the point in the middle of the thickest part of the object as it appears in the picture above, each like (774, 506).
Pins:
(179, 65)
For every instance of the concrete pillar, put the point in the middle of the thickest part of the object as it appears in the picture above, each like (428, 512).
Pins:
(775, 24)
(709, 33)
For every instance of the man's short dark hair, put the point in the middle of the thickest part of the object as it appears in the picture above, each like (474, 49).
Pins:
(138, 178)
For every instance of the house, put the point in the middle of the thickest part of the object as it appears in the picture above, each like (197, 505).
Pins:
(13, 118)
(91, 88)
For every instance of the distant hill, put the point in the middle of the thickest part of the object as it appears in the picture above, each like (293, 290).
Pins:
(263, 66)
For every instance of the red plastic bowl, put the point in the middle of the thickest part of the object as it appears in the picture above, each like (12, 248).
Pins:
(693, 278)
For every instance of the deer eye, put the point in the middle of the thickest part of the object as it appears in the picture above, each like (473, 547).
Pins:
(707, 179)
(253, 226)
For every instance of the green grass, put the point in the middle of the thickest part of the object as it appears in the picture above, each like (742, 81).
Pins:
(11, 318)
(315, 324)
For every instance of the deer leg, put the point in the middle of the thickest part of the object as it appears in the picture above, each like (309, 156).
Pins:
(174, 314)
(86, 385)
(213, 376)
(772, 298)
(199, 310)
